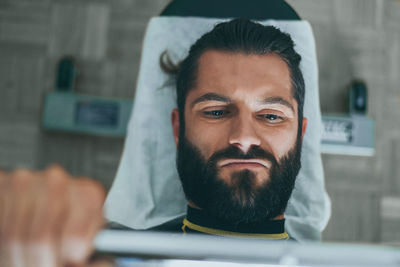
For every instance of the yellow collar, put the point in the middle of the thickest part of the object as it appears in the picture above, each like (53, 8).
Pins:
(212, 231)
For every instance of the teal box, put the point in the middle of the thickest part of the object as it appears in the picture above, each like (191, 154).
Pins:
(69, 112)
(348, 135)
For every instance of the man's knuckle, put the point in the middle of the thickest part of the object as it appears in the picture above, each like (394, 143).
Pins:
(56, 171)
(56, 182)
(93, 189)
(22, 174)
(3, 175)
(98, 192)
(57, 179)
(21, 179)
(4, 182)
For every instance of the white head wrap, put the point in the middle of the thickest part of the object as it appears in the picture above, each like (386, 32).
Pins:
(147, 191)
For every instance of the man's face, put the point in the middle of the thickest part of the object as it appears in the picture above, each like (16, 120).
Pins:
(240, 136)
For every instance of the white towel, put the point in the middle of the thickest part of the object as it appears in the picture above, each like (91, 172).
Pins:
(147, 191)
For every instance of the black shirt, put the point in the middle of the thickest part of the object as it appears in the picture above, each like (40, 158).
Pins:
(197, 221)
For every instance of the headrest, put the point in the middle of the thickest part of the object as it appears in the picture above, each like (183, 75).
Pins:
(147, 191)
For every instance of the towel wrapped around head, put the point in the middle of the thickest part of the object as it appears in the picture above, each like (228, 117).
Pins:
(147, 191)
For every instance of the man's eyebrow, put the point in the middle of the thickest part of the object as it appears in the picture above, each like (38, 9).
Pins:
(211, 97)
(278, 100)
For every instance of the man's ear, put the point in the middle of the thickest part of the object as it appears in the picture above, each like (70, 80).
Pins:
(175, 124)
(304, 127)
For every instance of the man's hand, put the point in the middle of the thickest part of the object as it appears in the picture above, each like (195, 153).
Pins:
(48, 218)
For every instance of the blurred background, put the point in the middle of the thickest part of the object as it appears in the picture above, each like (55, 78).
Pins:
(356, 39)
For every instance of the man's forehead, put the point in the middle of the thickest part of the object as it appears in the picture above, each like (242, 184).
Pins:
(266, 64)
(237, 75)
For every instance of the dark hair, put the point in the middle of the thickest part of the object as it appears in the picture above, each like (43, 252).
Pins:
(241, 36)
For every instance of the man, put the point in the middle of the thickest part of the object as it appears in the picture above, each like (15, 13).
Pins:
(238, 129)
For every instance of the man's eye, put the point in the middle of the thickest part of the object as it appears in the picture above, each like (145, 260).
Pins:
(272, 118)
(216, 113)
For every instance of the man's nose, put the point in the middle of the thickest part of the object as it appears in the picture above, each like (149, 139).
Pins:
(243, 133)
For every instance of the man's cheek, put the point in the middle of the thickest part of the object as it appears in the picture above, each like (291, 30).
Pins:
(207, 142)
(280, 142)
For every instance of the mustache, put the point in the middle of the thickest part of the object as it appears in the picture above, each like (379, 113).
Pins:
(233, 152)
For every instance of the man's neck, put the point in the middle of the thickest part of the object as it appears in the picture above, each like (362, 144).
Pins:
(279, 217)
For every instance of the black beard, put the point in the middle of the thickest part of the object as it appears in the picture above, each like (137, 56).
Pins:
(242, 201)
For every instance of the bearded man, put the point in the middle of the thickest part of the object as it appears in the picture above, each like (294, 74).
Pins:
(238, 129)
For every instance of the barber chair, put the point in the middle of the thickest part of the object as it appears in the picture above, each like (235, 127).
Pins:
(255, 10)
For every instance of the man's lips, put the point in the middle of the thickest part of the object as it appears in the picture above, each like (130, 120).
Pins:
(244, 163)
